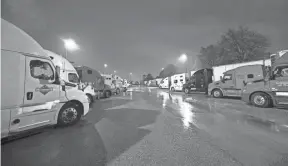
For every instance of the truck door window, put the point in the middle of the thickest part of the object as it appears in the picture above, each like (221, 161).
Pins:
(281, 71)
(250, 76)
(227, 77)
(72, 77)
(41, 70)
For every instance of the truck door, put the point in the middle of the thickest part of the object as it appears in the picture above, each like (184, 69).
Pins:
(180, 84)
(40, 96)
(280, 85)
(239, 80)
(228, 85)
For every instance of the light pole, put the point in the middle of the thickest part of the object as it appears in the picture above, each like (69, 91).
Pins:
(70, 45)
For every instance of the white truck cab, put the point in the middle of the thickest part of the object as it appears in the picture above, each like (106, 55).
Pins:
(70, 76)
(177, 81)
(33, 94)
(164, 84)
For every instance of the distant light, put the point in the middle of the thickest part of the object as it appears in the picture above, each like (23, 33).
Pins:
(70, 45)
(183, 58)
(114, 71)
(130, 73)
(105, 65)
(163, 68)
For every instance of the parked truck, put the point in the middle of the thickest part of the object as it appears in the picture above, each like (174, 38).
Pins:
(273, 90)
(198, 81)
(33, 94)
(93, 81)
(218, 71)
(70, 76)
(233, 81)
(164, 84)
(178, 80)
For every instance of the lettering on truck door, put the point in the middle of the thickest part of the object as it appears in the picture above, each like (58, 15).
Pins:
(280, 84)
(40, 96)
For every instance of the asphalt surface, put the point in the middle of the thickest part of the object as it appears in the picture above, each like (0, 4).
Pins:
(153, 127)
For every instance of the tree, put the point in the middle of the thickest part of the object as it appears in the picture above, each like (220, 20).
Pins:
(148, 77)
(243, 45)
(168, 71)
(211, 55)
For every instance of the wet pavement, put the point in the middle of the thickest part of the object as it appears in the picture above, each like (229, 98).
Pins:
(152, 127)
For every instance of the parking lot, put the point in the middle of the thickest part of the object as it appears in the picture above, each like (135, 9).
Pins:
(148, 126)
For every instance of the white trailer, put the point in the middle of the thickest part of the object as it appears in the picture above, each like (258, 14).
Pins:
(219, 70)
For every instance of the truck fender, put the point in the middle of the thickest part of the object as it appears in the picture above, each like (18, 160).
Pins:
(218, 89)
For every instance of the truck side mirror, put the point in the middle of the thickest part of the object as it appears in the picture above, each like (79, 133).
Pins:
(57, 75)
(62, 84)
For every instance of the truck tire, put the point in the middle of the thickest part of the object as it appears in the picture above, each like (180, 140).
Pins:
(260, 99)
(69, 114)
(217, 93)
(186, 91)
(90, 98)
(107, 94)
(117, 91)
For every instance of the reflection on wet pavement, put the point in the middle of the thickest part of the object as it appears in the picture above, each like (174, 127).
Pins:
(229, 126)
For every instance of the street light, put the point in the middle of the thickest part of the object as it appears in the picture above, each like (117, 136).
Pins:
(105, 66)
(183, 58)
(70, 45)
(130, 76)
(162, 68)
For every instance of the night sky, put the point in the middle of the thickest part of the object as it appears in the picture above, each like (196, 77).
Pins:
(143, 35)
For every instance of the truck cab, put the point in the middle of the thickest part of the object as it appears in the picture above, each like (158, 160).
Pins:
(273, 90)
(233, 81)
(177, 81)
(164, 84)
(33, 94)
(70, 76)
(93, 83)
(199, 81)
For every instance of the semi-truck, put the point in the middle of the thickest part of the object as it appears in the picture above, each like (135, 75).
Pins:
(218, 71)
(178, 80)
(273, 90)
(93, 80)
(33, 93)
(199, 81)
(233, 81)
(164, 84)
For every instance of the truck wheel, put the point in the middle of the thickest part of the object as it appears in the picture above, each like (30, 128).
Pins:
(107, 94)
(90, 98)
(186, 90)
(117, 91)
(69, 114)
(260, 99)
(217, 93)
